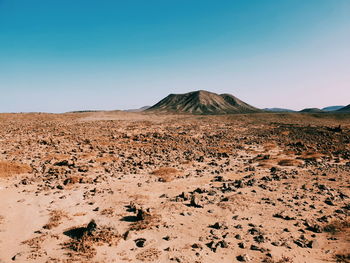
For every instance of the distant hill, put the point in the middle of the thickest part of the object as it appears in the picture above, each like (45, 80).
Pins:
(344, 109)
(84, 111)
(278, 110)
(203, 102)
(312, 110)
(332, 108)
(138, 110)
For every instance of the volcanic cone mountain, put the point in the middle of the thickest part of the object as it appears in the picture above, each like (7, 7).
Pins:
(203, 102)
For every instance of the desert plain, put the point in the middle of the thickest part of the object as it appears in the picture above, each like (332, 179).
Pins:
(145, 187)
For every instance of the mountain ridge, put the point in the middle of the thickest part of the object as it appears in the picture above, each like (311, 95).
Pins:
(344, 109)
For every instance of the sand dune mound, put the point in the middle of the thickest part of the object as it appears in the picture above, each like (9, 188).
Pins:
(203, 102)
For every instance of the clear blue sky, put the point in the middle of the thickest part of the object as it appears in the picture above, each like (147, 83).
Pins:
(63, 55)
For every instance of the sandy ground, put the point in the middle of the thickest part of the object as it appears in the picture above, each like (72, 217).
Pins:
(133, 187)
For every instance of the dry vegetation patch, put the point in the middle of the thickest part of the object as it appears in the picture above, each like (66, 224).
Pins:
(342, 258)
(55, 219)
(166, 174)
(289, 162)
(338, 226)
(309, 156)
(150, 254)
(284, 259)
(8, 169)
(108, 212)
(83, 240)
(35, 245)
(149, 221)
(72, 180)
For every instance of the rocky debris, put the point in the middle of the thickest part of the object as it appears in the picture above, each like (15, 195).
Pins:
(214, 246)
(284, 216)
(230, 167)
(305, 243)
(314, 227)
(219, 225)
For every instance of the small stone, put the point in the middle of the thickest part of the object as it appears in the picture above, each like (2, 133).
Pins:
(243, 258)
(140, 242)
(217, 225)
(126, 235)
(196, 245)
(238, 237)
(241, 245)
(195, 201)
(254, 247)
(314, 244)
(222, 244)
(91, 226)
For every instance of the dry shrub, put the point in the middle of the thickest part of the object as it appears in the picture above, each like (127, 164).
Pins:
(338, 226)
(166, 174)
(35, 246)
(55, 219)
(56, 157)
(107, 159)
(289, 162)
(309, 156)
(8, 169)
(149, 221)
(266, 164)
(235, 202)
(150, 254)
(108, 212)
(342, 258)
(285, 132)
(72, 180)
(35, 243)
(84, 246)
(88, 156)
(80, 214)
(284, 259)
(224, 149)
(269, 146)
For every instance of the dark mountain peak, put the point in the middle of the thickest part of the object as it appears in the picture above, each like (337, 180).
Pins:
(203, 102)
(344, 109)
(332, 108)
